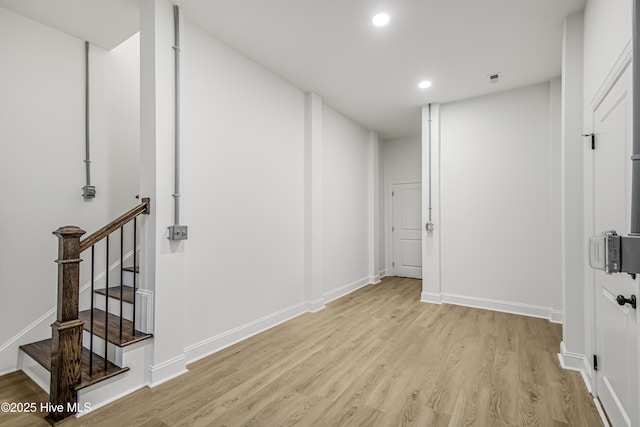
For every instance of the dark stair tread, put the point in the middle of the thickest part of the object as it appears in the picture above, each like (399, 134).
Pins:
(41, 352)
(135, 269)
(128, 335)
(114, 292)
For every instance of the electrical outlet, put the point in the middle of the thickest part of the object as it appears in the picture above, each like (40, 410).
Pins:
(177, 232)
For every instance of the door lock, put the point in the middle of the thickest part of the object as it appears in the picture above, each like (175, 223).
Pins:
(622, 300)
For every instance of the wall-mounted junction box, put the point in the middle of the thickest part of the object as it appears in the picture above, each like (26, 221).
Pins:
(177, 232)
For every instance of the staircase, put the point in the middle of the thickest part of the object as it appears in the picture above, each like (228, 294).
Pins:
(93, 337)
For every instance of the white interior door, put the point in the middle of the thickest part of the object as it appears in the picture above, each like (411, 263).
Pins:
(406, 230)
(616, 326)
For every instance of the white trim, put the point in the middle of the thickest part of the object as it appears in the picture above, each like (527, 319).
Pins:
(346, 289)
(431, 297)
(374, 280)
(498, 305)
(174, 367)
(27, 329)
(612, 397)
(600, 409)
(315, 306)
(382, 273)
(145, 303)
(226, 339)
(10, 371)
(557, 316)
(575, 362)
(614, 75)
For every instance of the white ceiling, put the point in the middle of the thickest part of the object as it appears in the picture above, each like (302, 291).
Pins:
(330, 46)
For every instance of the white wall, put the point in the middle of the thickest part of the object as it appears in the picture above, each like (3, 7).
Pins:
(123, 97)
(345, 186)
(555, 242)
(381, 212)
(496, 201)
(243, 183)
(42, 170)
(402, 159)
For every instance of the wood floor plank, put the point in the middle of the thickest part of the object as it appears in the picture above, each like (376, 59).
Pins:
(376, 357)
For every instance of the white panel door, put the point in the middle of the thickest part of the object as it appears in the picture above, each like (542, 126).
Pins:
(407, 230)
(616, 325)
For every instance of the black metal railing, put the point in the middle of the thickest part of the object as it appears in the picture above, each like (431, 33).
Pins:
(128, 220)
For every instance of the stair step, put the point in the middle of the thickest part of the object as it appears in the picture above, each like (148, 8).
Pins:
(114, 292)
(41, 352)
(128, 335)
(135, 269)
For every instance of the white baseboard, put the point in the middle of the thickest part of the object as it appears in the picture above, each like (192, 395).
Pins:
(492, 304)
(383, 273)
(557, 316)
(374, 280)
(221, 341)
(346, 289)
(431, 298)
(579, 363)
(167, 370)
(600, 409)
(575, 362)
(315, 306)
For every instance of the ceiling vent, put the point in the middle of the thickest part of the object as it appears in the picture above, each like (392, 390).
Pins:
(494, 77)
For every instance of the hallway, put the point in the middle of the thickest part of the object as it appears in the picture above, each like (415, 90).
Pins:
(377, 357)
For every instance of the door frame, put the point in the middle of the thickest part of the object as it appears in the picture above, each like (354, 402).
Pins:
(388, 222)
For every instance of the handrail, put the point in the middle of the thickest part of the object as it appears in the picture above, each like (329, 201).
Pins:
(142, 208)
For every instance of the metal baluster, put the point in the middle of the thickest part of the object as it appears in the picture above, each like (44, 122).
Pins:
(93, 268)
(106, 310)
(121, 278)
(135, 274)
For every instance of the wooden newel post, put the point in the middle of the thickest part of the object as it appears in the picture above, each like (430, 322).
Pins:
(66, 343)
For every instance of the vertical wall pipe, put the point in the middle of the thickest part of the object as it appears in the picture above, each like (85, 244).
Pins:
(176, 52)
(635, 183)
(88, 191)
(430, 174)
(86, 113)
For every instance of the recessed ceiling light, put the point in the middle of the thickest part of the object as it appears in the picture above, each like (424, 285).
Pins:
(424, 84)
(380, 20)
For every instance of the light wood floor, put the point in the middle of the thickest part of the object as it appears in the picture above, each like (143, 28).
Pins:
(377, 357)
